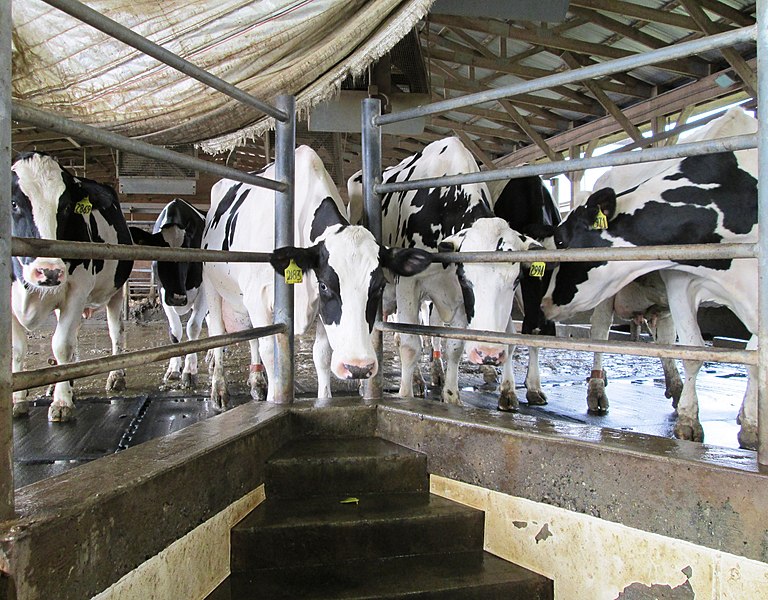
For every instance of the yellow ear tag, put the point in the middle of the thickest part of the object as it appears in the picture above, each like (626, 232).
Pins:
(601, 221)
(537, 269)
(83, 207)
(293, 273)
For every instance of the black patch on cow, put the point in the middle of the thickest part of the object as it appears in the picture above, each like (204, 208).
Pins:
(326, 215)
(375, 290)
(524, 202)
(735, 193)
(329, 287)
(467, 293)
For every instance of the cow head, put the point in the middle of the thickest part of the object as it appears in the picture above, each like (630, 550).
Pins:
(172, 276)
(575, 286)
(350, 269)
(46, 202)
(488, 288)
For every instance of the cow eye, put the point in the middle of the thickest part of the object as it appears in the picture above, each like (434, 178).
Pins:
(323, 287)
(14, 206)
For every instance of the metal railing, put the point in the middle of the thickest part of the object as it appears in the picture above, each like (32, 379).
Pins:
(283, 186)
(373, 188)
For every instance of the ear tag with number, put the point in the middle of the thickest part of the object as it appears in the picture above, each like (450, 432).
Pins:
(601, 221)
(293, 273)
(84, 206)
(537, 269)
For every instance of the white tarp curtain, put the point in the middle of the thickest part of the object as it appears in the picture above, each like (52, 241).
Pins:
(265, 47)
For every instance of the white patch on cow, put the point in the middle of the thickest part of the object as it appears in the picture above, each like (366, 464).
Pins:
(173, 235)
(353, 254)
(41, 180)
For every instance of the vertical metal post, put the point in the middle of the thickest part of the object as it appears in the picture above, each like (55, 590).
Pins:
(6, 394)
(371, 140)
(285, 146)
(762, 221)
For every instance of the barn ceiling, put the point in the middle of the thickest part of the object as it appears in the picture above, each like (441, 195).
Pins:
(446, 56)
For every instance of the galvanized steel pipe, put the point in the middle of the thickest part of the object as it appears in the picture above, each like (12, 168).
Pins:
(6, 425)
(729, 144)
(107, 138)
(30, 379)
(285, 171)
(103, 251)
(371, 151)
(762, 223)
(746, 357)
(122, 33)
(721, 40)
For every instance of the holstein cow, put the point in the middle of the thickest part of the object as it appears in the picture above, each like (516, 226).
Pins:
(346, 273)
(179, 225)
(50, 203)
(526, 204)
(699, 199)
(452, 218)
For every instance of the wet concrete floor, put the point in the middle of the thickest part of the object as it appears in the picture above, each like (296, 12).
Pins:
(148, 408)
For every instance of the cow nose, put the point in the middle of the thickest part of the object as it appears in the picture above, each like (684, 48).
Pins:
(486, 356)
(359, 371)
(176, 299)
(48, 277)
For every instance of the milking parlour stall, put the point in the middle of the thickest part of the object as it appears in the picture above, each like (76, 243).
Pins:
(387, 299)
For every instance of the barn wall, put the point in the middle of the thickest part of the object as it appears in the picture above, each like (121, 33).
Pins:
(593, 558)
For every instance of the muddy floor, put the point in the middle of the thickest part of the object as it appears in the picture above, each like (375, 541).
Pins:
(149, 408)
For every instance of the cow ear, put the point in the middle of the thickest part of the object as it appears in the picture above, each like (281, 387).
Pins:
(144, 238)
(603, 200)
(404, 261)
(539, 232)
(305, 258)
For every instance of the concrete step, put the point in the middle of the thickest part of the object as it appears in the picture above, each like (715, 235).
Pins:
(323, 530)
(457, 576)
(343, 467)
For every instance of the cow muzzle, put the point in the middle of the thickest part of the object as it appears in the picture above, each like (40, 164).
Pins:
(45, 273)
(487, 355)
(356, 369)
(550, 309)
(176, 299)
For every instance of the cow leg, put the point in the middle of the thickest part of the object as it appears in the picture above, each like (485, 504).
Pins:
(534, 394)
(451, 348)
(257, 374)
(116, 378)
(508, 401)
(410, 345)
(173, 373)
(267, 352)
(64, 345)
(219, 393)
(748, 412)
(194, 327)
(321, 354)
(683, 306)
(19, 335)
(600, 325)
(667, 334)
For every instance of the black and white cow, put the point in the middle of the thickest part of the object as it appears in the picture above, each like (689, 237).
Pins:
(699, 199)
(346, 270)
(50, 203)
(526, 204)
(452, 218)
(179, 225)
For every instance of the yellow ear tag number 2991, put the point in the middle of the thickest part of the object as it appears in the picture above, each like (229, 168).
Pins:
(84, 206)
(537, 269)
(601, 221)
(293, 273)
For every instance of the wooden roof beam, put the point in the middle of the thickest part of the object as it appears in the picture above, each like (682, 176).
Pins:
(502, 133)
(644, 13)
(536, 138)
(731, 14)
(475, 149)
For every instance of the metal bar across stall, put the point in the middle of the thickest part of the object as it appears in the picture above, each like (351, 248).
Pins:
(746, 357)
(29, 379)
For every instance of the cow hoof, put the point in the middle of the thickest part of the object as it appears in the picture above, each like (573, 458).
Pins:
(597, 401)
(189, 380)
(688, 429)
(490, 377)
(219, 395)
(748, 437)
(535, 398)
(436, 374)
(451, 397)
(20, 409)
(49, 390)
(172, 376)
(60, 414)
(259, 385)
(673, 391)
(116, 381)
(419, 387)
